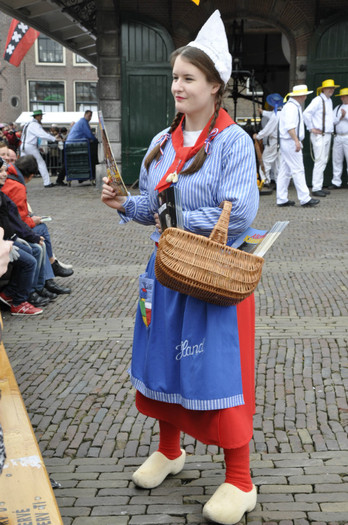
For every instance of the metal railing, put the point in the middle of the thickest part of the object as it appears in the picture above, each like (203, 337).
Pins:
(53, 154)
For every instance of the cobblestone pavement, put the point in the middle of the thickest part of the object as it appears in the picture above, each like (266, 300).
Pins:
(71, 365)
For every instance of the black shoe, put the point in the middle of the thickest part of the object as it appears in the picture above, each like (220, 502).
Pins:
(48, 295)
(36, 300)
(327, 192)
(51, 185)
(287, 203)
(53, 287)
(334, 187)
(60, 271)
(319, 193)
(311, 203)
(61, 183)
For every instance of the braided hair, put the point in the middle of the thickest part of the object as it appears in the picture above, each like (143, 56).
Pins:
(199, 59)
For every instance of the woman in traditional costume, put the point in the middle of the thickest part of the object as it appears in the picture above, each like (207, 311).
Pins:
(193, 362)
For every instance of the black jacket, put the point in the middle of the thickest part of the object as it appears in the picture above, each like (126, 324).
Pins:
(12, 223)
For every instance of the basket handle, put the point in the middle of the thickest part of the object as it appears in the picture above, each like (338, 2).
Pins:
(219, 233)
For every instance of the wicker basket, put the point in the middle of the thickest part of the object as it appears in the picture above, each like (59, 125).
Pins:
(206, 268)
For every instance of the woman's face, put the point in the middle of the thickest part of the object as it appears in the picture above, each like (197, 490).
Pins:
(3, 174)
(4, 153)
(192, 93)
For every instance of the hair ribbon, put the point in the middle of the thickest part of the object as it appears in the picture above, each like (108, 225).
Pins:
(161, 141)
(208, 140)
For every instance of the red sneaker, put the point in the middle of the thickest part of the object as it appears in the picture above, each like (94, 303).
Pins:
(25, 309)
(5, 299)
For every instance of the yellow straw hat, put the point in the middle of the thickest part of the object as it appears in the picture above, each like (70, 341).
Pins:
(343, 91)
(326, 84)
(298, 91)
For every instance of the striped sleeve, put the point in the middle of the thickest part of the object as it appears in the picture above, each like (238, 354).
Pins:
(138, 207)
(235, 170)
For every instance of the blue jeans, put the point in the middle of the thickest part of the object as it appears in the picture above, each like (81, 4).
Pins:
(42, 230)
(22, 276)
(39, 252)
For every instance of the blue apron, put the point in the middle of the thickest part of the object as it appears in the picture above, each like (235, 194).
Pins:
(185, 351)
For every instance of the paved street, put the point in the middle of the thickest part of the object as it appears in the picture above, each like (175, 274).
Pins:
(71, 365)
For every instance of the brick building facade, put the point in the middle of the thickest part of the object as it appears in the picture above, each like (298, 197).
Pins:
(49, 77)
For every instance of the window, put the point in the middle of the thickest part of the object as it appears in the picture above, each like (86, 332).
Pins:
(80, 61)
(46, 95)
(14, 102)
(49, 51)
(258, 90)
(86, 96)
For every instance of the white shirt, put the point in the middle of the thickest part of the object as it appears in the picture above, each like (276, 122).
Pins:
(32, 131)
(271, 128)
(291, 117)
(313, 114)
(341, 124)
(190, 137)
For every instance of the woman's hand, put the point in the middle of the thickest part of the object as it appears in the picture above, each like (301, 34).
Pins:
(36, 219)
(158, 223)
(110, 198)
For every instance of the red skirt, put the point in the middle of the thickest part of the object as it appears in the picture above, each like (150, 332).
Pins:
(228, 427)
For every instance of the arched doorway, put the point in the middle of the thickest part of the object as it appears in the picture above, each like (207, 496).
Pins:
(259, 47)
(327, 58)
(147, 104)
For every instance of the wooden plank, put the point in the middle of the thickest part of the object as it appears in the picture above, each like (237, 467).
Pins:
(26, 495)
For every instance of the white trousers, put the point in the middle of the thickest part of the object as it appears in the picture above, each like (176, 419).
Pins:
(271, 159)
(321, 149)
(339, 153)
(291, 167)
(33, 150)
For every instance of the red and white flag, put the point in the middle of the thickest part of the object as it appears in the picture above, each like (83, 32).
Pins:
(20, 38)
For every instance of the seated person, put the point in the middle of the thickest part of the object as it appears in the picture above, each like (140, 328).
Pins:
(44, 285)
(17, 292)
(19, 174)
(23, 271)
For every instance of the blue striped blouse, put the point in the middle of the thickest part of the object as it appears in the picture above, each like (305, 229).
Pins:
(228, 173)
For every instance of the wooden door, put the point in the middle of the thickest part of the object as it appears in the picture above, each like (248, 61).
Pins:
(147, 104)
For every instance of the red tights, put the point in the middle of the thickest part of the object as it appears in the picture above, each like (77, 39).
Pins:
(236, 459)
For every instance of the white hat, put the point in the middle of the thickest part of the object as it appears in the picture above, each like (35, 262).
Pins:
(212, 40)
(298, 91)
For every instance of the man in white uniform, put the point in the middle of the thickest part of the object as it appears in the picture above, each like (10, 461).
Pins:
(291, 132)
(270, 136)
(33, 131)
(340, 143)
(318, 117)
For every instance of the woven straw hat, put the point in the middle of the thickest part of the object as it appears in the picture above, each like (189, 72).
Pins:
(343, 91)
(329, 83)
(298, 91)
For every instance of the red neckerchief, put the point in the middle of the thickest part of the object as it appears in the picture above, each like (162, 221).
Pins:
(182, 154)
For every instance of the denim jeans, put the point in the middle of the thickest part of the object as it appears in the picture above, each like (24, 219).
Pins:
(22, 276)
(42, 230)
